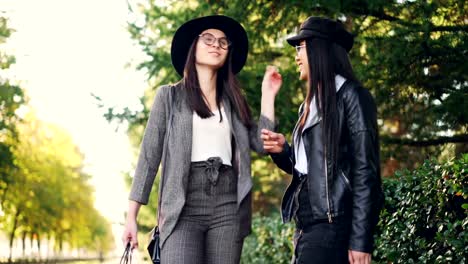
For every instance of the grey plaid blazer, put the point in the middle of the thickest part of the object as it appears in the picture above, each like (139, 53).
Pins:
(176, 167)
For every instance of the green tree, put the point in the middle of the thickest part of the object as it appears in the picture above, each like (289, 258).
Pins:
(49, 183)
(44, 192)
(410, 54)
(11, 98)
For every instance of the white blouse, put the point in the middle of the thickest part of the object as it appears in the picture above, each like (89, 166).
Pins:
(211, 138)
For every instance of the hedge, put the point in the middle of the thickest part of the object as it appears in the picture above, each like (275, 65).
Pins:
(424, 220)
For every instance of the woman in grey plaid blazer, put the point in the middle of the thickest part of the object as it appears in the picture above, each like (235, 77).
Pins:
(200, 130)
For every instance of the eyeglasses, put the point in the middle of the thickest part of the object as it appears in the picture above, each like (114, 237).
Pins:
(209, 39)
(298, 48)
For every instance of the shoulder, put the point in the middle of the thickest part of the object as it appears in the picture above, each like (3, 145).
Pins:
(353, 93)
(163, 90)
(166, 91)
(359, 107)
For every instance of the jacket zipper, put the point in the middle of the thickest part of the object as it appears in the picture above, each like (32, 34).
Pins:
(329, 213)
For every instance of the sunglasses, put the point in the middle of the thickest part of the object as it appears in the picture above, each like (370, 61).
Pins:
(209, 39)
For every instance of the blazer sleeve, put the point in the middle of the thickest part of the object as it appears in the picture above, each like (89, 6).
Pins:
(255, 132)
(361, 119)
(151, 148)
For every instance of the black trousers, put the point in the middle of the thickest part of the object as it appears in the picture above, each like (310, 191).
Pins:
(322, 242)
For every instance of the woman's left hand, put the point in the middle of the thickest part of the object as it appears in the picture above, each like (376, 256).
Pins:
(271, 81)
(357, 257)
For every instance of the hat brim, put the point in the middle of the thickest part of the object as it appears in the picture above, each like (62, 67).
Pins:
(345, 39)
(305, 34)
(185, 34)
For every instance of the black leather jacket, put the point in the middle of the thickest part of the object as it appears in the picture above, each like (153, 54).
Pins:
(354, 191)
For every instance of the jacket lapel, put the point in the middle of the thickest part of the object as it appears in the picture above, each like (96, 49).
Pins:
(183, 125)
(230, 116)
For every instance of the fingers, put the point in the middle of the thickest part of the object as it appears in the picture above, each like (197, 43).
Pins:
(350, 257)
(271, 68)
(129, 236)
(356, 257)
(269, 135)
(276, 75)
(270, 144)
(134, 243)
(272, 72)
(367, 259)
(272, 140)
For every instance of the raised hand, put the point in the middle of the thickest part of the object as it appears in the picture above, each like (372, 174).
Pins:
(271, 81)
(272, 142)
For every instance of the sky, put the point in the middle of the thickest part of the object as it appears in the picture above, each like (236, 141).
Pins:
(65, 51)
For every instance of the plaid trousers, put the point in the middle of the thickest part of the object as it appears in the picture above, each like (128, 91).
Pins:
(207, 231)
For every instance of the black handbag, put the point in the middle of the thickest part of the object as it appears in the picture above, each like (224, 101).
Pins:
(153, 247)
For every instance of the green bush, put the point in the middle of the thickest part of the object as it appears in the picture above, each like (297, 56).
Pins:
(270, 241)
(424, 219)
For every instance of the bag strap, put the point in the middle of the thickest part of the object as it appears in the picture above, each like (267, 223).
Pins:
(166, 137)
(127, 255)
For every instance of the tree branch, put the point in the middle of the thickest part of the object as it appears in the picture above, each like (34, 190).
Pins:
(455, 28)
(425, 143)
(380, 14)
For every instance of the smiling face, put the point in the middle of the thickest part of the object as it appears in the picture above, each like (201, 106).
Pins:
(302, 61)
(212, 56)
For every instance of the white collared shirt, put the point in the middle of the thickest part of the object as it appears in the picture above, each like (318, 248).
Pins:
(312, 118)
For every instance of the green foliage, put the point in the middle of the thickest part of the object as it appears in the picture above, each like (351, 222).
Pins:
(44, 192)
(270, 241)
(424, 220)
(48, 183)
(409, 54)
(11, 98)
(425, 217)
(269, 184)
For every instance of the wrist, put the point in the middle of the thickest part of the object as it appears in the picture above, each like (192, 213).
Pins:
(268, 97)
(131, 217)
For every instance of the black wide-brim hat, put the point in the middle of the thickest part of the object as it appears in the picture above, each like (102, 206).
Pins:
(324, 28)
(185, 34)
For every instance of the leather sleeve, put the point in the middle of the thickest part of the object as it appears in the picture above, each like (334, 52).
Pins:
(284, 159)
(361, 119)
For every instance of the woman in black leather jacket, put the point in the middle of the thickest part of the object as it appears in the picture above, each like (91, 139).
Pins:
(335, 194)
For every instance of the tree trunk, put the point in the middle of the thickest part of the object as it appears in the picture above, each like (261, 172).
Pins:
(31, 241)
(38, 237)
(49, 242)
(23, 240)
(60, 245)
(13, 231)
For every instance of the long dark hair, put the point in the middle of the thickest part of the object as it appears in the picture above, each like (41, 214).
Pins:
(326, 59)
(226, 82)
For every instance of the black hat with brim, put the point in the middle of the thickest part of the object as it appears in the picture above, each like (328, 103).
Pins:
(324, 28)
(184, 36)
